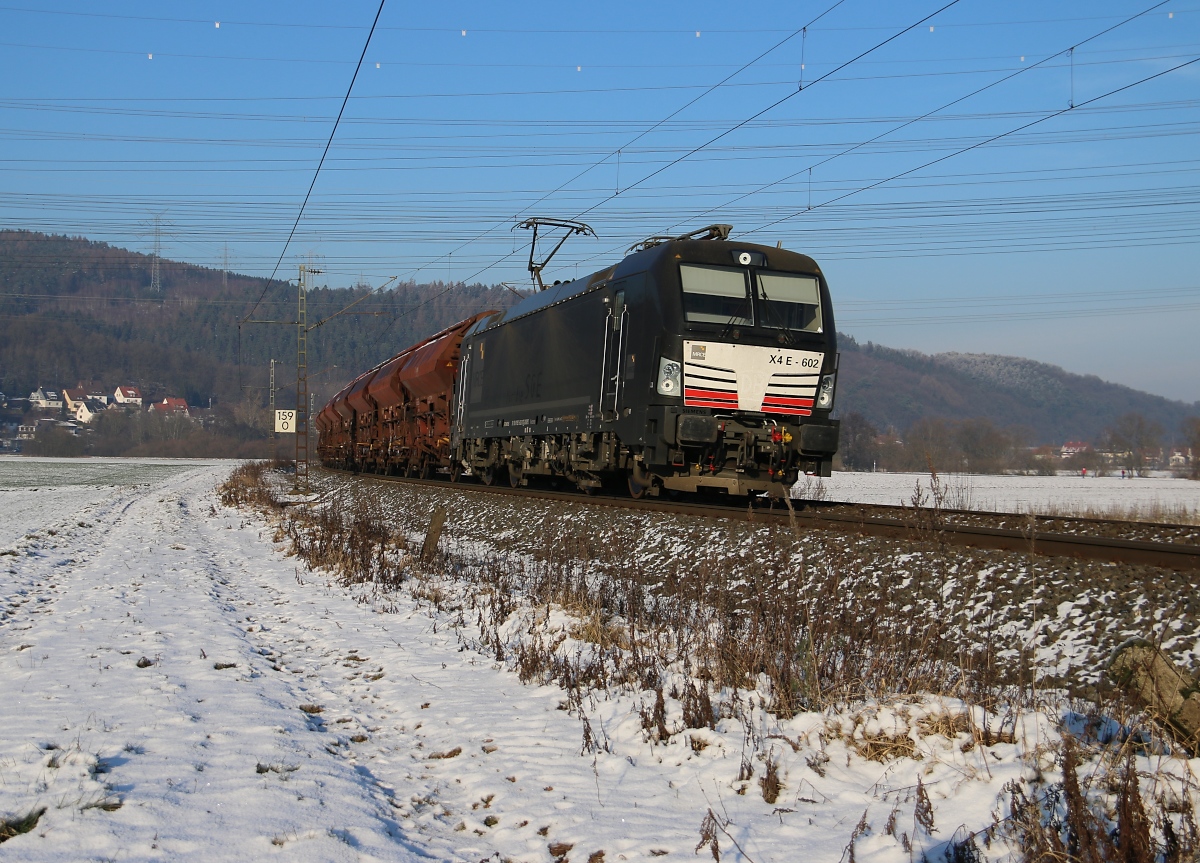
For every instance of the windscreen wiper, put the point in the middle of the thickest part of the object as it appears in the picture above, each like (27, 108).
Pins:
(737, 314)
(783, 327)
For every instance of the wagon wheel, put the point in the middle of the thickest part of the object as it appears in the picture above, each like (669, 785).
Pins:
(426, 468)
(455, 470)
(515, 473)
(410, 468)
(487, 476)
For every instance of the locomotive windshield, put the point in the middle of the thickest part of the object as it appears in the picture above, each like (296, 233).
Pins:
(718, 295)
(789, 301)
(715, 295)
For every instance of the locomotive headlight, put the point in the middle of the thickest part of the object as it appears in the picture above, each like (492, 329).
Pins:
(669, 382)
(825, 392)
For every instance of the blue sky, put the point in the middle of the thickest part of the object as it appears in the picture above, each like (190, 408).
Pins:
(1074, 241)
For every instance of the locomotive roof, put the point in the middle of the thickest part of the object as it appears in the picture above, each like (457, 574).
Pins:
(698, 251)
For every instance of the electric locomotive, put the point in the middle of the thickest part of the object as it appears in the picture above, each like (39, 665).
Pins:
(696, 363)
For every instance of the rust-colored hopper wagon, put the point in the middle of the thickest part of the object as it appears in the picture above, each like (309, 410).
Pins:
(395, 418)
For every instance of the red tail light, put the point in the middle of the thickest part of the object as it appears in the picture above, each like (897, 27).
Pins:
(777, 434)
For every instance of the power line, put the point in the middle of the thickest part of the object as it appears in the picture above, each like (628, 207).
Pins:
(527, 30)
(774, 105)
(646, 132)
(945, 106)
(979, 144)
(317, 173)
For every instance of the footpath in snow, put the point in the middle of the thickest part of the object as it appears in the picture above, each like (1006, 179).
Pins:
(173, 686)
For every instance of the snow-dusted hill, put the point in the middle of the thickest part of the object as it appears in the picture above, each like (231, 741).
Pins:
(895, 388)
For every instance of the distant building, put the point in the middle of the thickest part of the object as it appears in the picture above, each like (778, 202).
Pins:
(87, 410)
(171, 406)
(26, 432)
(47, 400)
(95, 392)
(1074, 448)
(73, 397)
(128, 396)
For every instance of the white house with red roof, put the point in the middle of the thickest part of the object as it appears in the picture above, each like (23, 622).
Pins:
(171, 406)
(128, 396)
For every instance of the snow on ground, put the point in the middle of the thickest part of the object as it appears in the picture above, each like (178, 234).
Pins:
(1067, 492)
(175, 687)
(34, 490)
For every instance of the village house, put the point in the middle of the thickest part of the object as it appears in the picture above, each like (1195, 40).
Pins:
(171, 406)
(73, 397)
(87, 410)
(26, 432)
(95, 392)
(1074, 448)
(130, 396)
(47, 400)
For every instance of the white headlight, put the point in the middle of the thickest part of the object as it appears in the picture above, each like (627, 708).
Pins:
(669, 383)
(825, 392)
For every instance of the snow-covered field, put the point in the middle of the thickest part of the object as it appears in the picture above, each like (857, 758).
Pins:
(174, 686)
(1064, 493)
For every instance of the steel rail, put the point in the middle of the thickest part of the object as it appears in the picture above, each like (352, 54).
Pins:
(914, 525)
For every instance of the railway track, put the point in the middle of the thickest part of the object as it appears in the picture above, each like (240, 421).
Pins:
(892, 522)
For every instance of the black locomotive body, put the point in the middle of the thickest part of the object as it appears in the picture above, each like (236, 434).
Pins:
(691, 364)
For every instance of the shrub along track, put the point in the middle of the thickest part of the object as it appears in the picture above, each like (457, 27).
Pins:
(1064, 615)
(1140, 543)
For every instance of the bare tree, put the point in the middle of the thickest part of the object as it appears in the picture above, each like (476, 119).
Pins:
(1191, 439)
(984, 447)
(1135, 442)
(859, 442)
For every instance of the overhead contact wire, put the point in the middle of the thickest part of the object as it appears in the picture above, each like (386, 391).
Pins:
(937, 110)
(634, 140)
(978, 144)
(317, 173)
(772, 106)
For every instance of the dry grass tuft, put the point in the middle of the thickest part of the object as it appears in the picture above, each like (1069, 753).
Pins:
(944, 724)
(769, 782)
(884, 747)
(15, 826)
(312, 709)
(452, 753)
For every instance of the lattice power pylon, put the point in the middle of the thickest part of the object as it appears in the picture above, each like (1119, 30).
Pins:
(301, 486)
(155, 276)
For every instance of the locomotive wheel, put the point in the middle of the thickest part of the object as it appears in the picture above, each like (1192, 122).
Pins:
(487, 476)
(455, 470)
(636, 490)
(515, 472)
